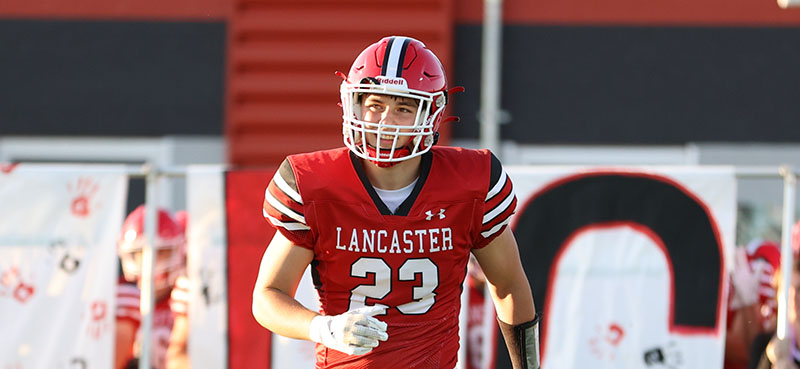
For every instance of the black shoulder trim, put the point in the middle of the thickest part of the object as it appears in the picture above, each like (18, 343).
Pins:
(287, 173)
(496, 171)
(362, 175)
(424, 170)
(405, 207)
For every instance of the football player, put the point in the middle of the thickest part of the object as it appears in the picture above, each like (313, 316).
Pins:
(753, 304)
(785, 355)
(476, 316)
(387, 224)
(170, 290)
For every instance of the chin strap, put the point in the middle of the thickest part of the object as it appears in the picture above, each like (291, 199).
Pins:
(405, 151)
(522, 341)
(399, 153)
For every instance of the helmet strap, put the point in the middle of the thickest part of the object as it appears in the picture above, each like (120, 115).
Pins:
(398, 153)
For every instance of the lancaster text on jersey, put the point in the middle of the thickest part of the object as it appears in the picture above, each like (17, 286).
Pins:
(405, 241)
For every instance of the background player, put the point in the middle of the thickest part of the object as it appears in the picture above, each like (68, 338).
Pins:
(778, 355)
(753, 305)
(170, 288)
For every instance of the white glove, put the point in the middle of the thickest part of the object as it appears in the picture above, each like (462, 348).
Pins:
(745, 281)
(355, 332)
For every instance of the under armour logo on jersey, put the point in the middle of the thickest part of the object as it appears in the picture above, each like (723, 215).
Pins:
(429, 214)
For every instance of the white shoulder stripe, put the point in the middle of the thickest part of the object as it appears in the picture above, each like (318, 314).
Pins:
(128, 302)
(488, 217)
(497, 186)
(283, 209)
(135, 315)
(489, 233)
(290, 226)
(281, 183)
(127, 289)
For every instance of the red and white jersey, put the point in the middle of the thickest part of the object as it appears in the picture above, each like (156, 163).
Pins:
(475, 325)
(164, 312)
(412, 262)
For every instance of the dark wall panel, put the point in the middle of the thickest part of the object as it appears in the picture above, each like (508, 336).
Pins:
(638, 85)
(111, 78)
(634, 12)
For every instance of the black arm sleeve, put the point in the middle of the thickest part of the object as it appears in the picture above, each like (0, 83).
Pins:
(522, 341)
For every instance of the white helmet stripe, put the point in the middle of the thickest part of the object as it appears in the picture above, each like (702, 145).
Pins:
(393, 63)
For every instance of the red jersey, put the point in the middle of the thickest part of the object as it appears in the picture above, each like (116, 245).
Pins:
(764, 257)
(412, 262)
(475, 325)
(164, 313)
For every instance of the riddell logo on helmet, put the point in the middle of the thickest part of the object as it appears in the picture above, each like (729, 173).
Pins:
(391, 81)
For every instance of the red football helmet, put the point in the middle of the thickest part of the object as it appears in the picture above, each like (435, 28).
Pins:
(764, 258)
(398, 66)
(169, 246)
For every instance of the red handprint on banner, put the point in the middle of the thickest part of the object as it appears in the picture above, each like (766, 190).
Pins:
(615, 334)
(83, 190)
(12, 285)
(8, 278)
(603, 345)
(6, 168)
(98, 312)
(23, 292)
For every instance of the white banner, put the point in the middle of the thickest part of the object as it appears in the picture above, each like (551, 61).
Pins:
(289, 353)
(207, 267)
(58, 264)
(209, 216)
(629, 263)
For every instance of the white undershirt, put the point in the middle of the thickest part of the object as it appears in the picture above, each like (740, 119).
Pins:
(393, 198)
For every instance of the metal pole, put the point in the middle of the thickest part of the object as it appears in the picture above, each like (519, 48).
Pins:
(490, 75)
(758, 171)
(147, 300)
(489, 328)
(463, 334)
(789, 195)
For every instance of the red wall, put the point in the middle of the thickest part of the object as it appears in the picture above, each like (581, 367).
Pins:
(282, 92)
(116, 9)
(249, 344)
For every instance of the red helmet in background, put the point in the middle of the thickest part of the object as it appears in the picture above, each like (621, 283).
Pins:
(169, 246)
(764, 258)
(399, 66)
(182, 219)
